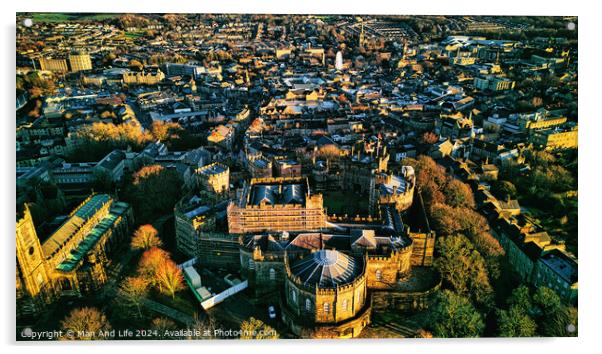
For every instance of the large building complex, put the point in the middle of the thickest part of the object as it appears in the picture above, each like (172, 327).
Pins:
(328, 277)
(278, 204)
(80, 62)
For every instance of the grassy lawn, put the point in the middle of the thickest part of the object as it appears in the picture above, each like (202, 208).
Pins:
(133, 35)
(64, 17)
(345, 202)
(184, 301)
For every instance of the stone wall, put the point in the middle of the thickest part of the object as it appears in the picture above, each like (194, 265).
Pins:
(381, 271)
(265, 277)
(423, 247)
(349, 328)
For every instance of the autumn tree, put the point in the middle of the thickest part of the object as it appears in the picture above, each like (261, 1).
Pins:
(174, 135)
(164, 131)
(491, 250)
(145, 237)
(429, 138)
(456, 317)
(422, 333)
(150, 262)
(444, 219)
(329, 151)
(458, 194)
(427, 170)
(447, 220)
(134, 290)
(170, 278)
(86, 323)
(253, 328)
(95, 141)
(430, 178)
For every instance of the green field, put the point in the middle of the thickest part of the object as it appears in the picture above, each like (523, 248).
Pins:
(66, 17)
(133, 35)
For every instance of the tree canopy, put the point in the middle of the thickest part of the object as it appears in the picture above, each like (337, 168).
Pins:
(154, 191)
(456, 317)
(145, 237)
(463, 268)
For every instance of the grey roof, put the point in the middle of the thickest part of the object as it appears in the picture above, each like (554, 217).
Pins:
(112, 160)
(561, 264)
(267, 243)
(293, 193)
(197, 211)
(327, 269)
(397, 183)
(278, 194)
(265, 193)
(261, 163)
(197, 156)
(155, 148)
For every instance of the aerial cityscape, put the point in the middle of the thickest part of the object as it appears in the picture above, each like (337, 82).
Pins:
(222, 176)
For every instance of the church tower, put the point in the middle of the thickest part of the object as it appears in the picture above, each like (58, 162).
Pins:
(33, 278)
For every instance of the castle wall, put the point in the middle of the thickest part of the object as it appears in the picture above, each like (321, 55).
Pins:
(382, 272)
(403, 301)
(423, 248)
(265, 276)
(349, 328)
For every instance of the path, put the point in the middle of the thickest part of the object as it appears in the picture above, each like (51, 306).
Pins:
(169, 312)
(394, 327)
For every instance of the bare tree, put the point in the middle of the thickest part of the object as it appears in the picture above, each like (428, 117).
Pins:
(85, 323)
(134, 290)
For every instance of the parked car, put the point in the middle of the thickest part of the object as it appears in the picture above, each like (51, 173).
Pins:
(272, 312)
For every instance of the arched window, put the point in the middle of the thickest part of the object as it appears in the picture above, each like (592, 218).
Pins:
(344, 306)
(379, 275)
(294, 296)
(66, 284)
(308, 304)
(326, 307)
(272, 274)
